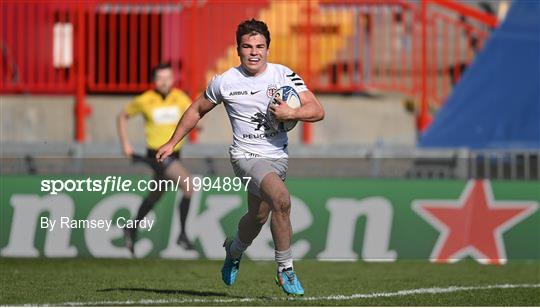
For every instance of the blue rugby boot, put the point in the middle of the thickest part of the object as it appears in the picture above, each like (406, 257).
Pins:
(231, 266)
(289, 282)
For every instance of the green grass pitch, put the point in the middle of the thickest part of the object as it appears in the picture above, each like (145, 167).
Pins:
(187, 283)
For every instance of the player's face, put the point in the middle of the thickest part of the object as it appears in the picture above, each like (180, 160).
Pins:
(253, 53)
(164, 80)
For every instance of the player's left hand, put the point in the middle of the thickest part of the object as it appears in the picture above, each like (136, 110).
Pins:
(282, 111)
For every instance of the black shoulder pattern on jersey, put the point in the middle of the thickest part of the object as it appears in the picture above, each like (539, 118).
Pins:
(295, 79)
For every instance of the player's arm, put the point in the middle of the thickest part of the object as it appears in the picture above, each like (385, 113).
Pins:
(121, 120)
(189, 120)
(310, 109)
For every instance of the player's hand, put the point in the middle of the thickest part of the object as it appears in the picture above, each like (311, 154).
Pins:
(127, 149)
(282, 112)
(164, 151)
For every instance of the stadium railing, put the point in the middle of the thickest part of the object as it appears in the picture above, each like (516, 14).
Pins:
(418, 48)
(395, 162)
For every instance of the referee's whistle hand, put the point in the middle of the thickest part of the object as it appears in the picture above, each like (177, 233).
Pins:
(163, 152)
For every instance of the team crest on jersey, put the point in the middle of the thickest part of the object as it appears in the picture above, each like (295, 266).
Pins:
(271, 90)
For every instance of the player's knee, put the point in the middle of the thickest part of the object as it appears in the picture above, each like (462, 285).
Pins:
(282, 203)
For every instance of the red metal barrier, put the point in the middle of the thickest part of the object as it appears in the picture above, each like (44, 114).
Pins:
(37, 42)
(418, 48)
(81, 109)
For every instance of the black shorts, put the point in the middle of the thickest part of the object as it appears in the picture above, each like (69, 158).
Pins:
(159, 167)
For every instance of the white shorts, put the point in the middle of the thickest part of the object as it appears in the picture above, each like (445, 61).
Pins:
(256, 167)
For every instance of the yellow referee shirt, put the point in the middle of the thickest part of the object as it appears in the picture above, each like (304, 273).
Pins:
(160, 115)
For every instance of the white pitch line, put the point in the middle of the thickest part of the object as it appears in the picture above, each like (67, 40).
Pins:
(435, 290)
(422, 291)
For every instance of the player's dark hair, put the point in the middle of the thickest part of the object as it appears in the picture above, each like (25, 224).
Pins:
(159, 67)
(252, 27)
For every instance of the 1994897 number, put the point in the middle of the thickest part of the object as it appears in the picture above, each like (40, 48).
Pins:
(217, 184)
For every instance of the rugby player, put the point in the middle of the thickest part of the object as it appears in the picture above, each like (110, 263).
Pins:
(258, 151)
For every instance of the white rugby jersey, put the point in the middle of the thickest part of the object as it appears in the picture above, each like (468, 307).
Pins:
(246, 100)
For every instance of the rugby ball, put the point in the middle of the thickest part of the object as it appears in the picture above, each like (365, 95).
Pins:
(292, 99)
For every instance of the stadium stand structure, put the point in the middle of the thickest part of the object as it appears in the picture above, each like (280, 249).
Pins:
(497, 103)
(323, 40)
(332, 28)
(495, 109)
(336, 46)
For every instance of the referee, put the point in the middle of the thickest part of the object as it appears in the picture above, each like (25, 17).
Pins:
(161, 108)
